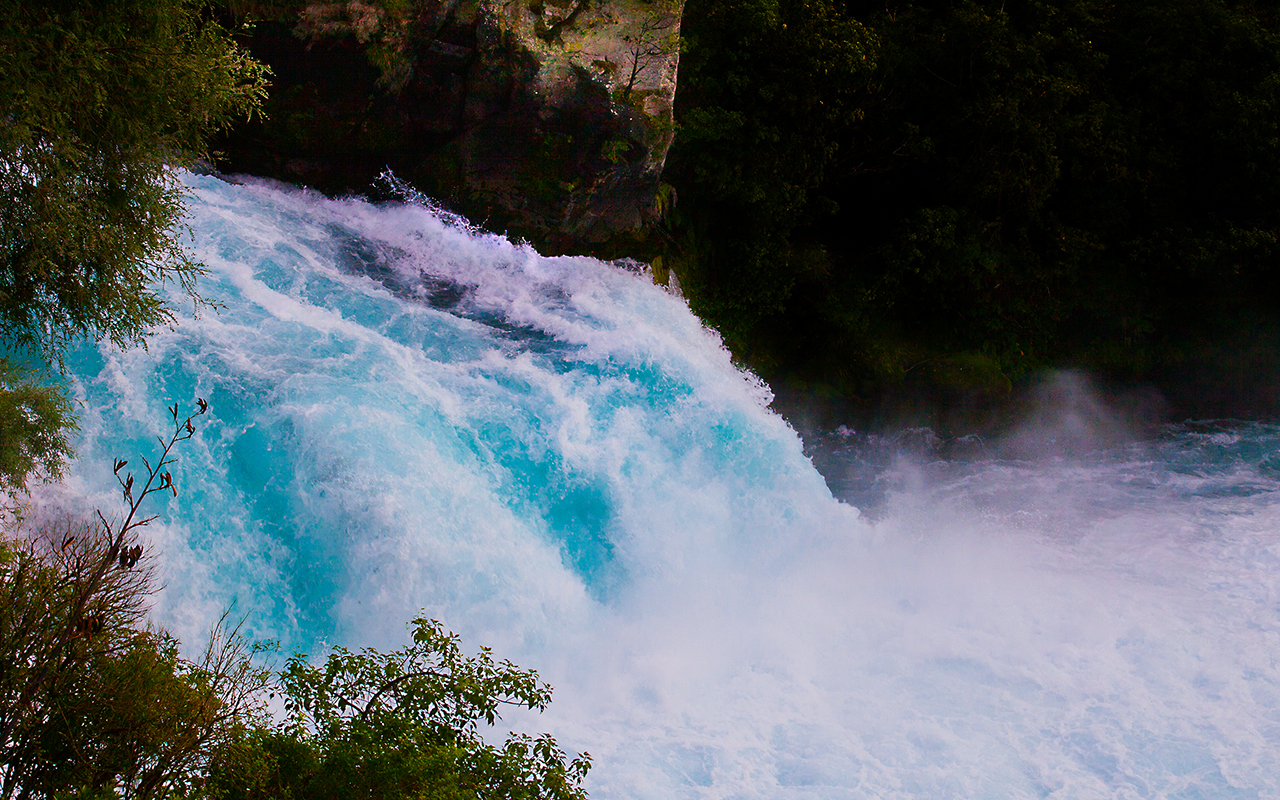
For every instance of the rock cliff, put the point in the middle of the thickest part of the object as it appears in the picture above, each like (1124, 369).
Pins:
(549, 119)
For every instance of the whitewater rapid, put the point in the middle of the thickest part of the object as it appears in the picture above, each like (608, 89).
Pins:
(555, 458)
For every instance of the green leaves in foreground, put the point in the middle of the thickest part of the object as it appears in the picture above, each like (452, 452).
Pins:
(404, 724)
(99, 102)
(94, 703)
(34, 421)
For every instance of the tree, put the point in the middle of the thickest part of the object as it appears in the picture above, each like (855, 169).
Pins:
(99, 103)
(767, 88)
(34, 421)
(652, 42)
(1014, 186)
(404, 724)
(91, 701)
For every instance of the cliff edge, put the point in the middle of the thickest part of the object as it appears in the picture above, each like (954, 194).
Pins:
(550, 120)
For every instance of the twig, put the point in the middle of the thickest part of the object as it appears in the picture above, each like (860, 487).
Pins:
(158, 480)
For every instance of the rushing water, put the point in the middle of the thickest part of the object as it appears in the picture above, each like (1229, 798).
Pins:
(556, 459)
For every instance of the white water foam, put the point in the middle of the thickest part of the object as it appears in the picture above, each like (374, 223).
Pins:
(556, 459)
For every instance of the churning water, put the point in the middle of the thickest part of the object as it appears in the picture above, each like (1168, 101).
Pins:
(556, 459)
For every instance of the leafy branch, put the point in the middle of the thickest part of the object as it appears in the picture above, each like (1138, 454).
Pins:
(93, 562)
(429, 698)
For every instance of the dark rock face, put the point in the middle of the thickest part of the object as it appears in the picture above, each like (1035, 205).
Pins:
(532, 120)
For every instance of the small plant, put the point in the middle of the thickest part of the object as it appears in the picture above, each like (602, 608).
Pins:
(653, 43)
(615, 150)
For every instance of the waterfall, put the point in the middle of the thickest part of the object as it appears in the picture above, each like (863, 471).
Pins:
(555, 458)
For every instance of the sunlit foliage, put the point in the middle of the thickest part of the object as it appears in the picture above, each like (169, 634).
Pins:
(401, 724)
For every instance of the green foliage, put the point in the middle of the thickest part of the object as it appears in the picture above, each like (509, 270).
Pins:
(1033, 183)
(93, 704)
(63, 606)
(100, 102)
(991, 114)
(401, 724)
(1098, 166)
(34, 422)
(767, 87)
(131, 717)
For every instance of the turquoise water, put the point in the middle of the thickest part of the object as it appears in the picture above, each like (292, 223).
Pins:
(556, 459)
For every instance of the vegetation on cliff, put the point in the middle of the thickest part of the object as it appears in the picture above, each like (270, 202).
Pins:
(932, 197)
(549, 121)
(996, 188)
